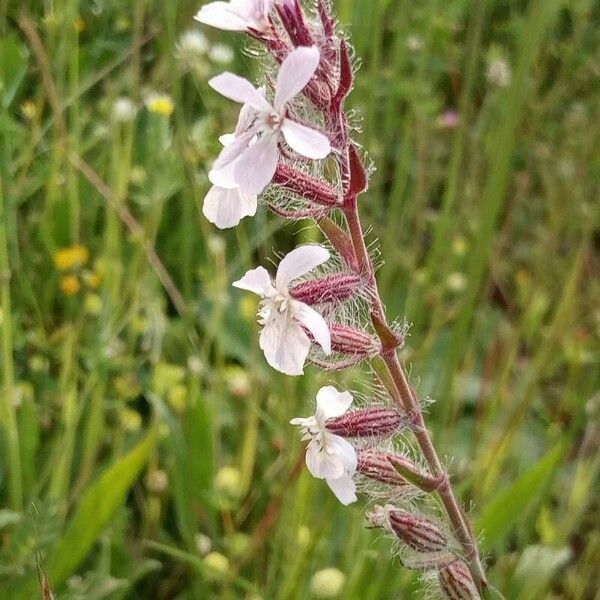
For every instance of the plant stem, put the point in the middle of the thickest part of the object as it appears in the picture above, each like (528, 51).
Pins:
(8, 375)
(406, 397)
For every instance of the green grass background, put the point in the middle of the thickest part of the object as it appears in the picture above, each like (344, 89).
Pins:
(136, 429)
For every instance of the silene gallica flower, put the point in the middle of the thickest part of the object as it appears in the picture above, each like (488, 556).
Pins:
(330, 456)
(236, 15)
(250, 160)
(283, 338)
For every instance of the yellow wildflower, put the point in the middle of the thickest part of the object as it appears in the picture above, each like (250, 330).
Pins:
(160, 104)
(69, 285)
(71, 257)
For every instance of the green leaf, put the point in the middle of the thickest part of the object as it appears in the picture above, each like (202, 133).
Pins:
(510, 504)
(98, 504)
(13, 63)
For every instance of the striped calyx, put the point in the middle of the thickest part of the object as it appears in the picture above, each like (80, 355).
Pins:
(417, 532)
(376, 465)
(457, 583)
(368, 422)
(335, 288)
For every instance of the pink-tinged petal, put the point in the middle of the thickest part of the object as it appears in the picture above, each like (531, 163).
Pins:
(257, 280)
(220, 15)
(343, 450)
(227, 207)
(295, 73)
(246, 116)
(315, 323)
(331, 403)
(233, 150)
(344, 489)
(306, 141)
(298, 262)
(239, 90)
(256, 167)
(227, 138)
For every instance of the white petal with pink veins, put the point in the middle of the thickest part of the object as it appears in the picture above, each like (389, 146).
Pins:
(294, 74)
(239, 90)
(306, 141)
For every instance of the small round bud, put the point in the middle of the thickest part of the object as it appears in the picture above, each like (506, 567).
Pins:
(216, 565)
(157, 482)
(327, 583)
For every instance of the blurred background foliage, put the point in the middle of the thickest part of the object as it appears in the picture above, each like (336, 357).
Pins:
(146, 451)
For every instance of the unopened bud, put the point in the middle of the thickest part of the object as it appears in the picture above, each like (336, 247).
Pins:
(419, 533)
(376, 465)
(331, 288)
(369, 422)
(457, 583)
(305, 186)
(294, 22)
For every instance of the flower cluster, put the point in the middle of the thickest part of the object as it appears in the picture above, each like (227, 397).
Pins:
(292, 149)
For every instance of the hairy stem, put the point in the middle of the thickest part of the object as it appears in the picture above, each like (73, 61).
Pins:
(406, 397)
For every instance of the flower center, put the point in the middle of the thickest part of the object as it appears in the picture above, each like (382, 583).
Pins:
(274, 121)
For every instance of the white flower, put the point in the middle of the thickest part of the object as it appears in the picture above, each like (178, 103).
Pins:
(221, 54)
(255, 164)
(330, 456)
(283, 339)
(226, 204)
(236, 15)
(124, 110)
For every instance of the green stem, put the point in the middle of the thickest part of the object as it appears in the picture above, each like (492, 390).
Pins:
(7, 398)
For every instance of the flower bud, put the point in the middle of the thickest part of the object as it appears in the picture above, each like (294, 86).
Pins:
(369, 422)
(331, 288)
(292, 17)
(419, 533)
(457, 583)
(350, 340)
(376, 465)
(305, 186)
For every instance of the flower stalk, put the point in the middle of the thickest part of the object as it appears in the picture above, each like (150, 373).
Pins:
(315, 160)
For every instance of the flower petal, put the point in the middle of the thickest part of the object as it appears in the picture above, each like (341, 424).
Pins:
(306, 141)
(343, 450)
(227, 207)
(315, 323)
(230, 153)
(284, 344)
(298, 262)
(220, 15)
(257, 280)
(256, 166)
(295, 73)
(344, 489)
(321, 464)
(239, 90)
(332, 403)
